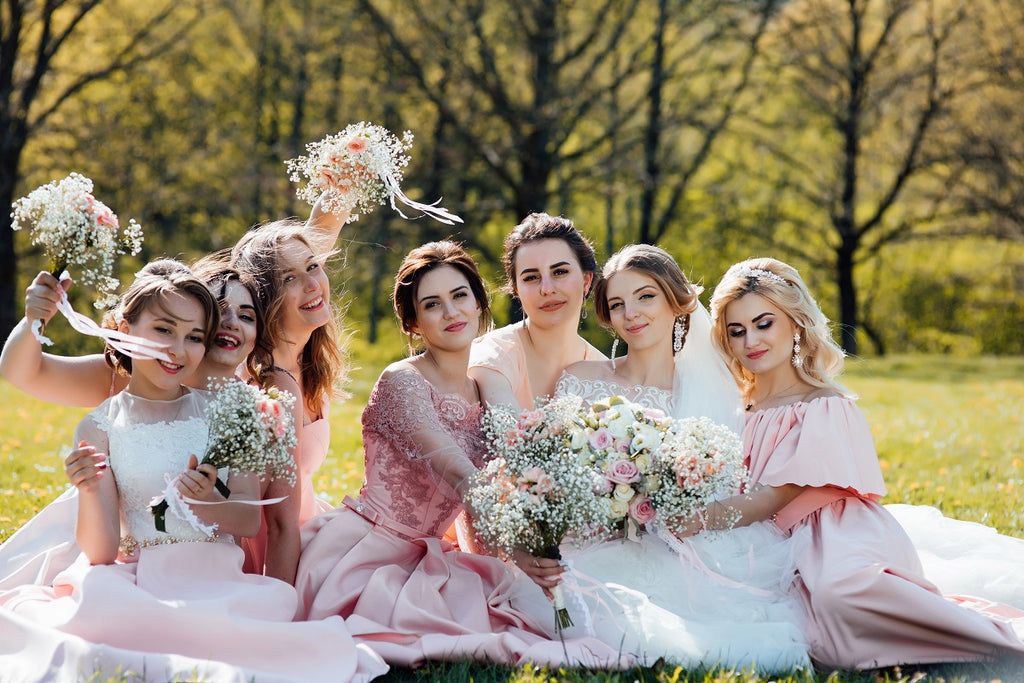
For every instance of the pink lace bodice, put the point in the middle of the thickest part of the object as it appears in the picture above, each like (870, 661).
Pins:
(412, 437)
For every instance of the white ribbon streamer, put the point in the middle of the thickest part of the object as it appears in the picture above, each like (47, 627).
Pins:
(438, 213)
(130, 345)
(179, 505)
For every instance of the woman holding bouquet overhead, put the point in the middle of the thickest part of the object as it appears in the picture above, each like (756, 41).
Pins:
(380, 560)
(170, 604)
(864, 602)
(701, 603)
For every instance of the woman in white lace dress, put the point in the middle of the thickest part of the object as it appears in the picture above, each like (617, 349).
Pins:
(144, 604)
(713, 601)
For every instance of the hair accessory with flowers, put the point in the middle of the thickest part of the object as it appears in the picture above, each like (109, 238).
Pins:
(648, 467)
(357, 169)
(78, 231)
(251, 430)
(529, 496)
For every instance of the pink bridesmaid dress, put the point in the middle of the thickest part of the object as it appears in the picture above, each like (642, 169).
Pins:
(380, 561)
(176, 605)
(865, 602)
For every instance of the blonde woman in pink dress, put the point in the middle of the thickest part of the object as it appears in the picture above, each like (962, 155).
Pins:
(864, 602)
(153, 605)
(380, 560)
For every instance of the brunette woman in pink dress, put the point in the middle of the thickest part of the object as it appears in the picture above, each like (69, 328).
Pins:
(380, 560)
(864, 601)
(170, 604)
(551, 268)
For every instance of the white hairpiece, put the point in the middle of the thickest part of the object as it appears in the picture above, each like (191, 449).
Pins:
(758, 273)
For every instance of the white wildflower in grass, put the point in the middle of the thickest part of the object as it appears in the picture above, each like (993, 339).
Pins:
(702, 461)
(251, 430)
(356, 170)
(77, 231)
(634, 454)
(533, 491)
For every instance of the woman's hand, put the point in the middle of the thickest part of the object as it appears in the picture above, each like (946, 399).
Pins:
(544, 572)
(85, 467)
(43, 296)
(197, 482)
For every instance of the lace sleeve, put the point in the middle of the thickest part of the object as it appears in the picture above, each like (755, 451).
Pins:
(407, 411)
(569, 385)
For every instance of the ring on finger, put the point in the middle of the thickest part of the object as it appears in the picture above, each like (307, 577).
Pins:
(536, 564)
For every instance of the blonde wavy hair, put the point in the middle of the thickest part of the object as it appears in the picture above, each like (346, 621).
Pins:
(781, 285)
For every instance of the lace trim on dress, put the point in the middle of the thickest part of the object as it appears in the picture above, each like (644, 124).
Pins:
(596, 389)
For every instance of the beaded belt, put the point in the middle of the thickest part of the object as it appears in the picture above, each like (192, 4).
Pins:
(129, 545)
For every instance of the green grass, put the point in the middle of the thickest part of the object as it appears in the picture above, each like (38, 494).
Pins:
(949, 433)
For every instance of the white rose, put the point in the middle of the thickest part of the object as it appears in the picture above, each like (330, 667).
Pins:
(618, 509)
(623, 492)
(647, 438)
(619, 422)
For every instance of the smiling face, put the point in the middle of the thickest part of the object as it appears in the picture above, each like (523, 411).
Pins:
(550, 282)
(760, 335)
(447, 313)
(639, 311)
(236, 335)
(178, 321)
(306, 289)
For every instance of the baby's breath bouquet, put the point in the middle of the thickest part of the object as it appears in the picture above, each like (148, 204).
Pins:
(78, 231)
(356, 170)
(701, 462)
(532, 492)
(251, 430)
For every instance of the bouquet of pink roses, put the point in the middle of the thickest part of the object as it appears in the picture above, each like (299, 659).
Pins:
(357, 169)
(530, 495)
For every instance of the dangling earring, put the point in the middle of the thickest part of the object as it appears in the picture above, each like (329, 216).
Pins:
(615, 346)
(583, 315)
(679, 333)
(798, 361)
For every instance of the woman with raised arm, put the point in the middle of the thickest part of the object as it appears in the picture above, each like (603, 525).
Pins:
(379, 560)
(169, 603)
(702, 603)
(864, 602)
(300, 353)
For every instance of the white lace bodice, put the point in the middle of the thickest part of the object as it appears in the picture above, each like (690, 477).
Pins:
(150, 442)
(596, 389)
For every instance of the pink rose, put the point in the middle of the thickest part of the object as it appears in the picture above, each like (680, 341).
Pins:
(641, 509)
(533, 474)
(356, 144)
(329, 177)
(623, 472)
(603, 486)
(530, 419)
(545, 484)
(273, 415)
(600, 439)
(106, 217)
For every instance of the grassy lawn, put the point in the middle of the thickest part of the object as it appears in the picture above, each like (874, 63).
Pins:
(949, 432)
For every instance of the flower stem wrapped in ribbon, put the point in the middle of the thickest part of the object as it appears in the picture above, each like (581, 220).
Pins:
(251, 430)
(356, 170)
(530, 495)
(77, 231)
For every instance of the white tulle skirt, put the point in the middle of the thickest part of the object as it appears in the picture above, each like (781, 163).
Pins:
(719, 600)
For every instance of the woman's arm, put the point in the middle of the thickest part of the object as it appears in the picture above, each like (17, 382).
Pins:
(761, 503)
(98, 530)
(283, 544)
(83, 381)
(495, 389)
(325, 224)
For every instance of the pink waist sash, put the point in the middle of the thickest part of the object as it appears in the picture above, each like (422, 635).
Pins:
(809, 501)
(374, 516)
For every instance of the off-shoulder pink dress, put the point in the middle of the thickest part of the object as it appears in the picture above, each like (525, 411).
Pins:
(864, 600)
(502, 350)
(176, 605)
(379, 560)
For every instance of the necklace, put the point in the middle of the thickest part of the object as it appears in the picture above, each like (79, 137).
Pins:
(783, 393)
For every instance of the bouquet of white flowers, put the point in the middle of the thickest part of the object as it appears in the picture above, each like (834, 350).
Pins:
(251, 430)
(531, 494)
(357, 169)
(76, 230)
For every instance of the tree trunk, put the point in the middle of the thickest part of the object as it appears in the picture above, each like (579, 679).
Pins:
(652, 136)
(847, 298)
(8, 262)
